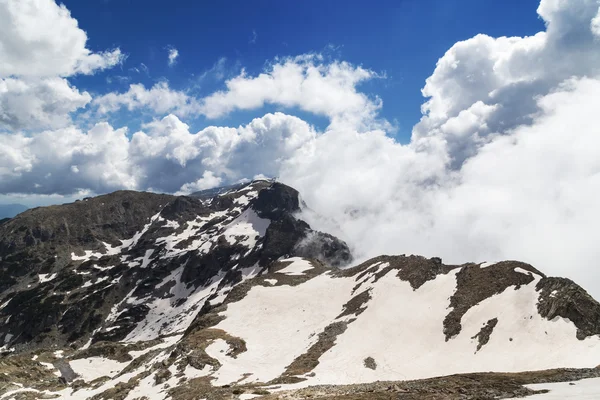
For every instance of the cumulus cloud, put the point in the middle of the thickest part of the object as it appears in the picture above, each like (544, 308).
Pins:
(502, 77)
(164, 156)
(528, 195)
(306, 82)
(40, 38)
(42, 163)
(160, 99)
(40, 46)
(208, 181)
(40, 103)
(595, 25)
(173, 55)
(503, 164)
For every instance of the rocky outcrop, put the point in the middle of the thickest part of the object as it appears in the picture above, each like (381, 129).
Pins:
(416, 270)
(97, 267)
(483, 336)
(475, 284)
(560, 297)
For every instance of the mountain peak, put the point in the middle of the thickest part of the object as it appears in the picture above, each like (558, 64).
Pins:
(228, 292)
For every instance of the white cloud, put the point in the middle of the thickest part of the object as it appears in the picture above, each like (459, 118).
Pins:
(595, 25)
(530, 194)
(503, 165)
(40, 38)
(166, 156)
(328, 89)
(208, 181)
(306, 82)
(160, 98)
(142, 68)
(40, 46)
(505, 76)
(173, 55)
(42, 163)
(38, 103)
(216, 72)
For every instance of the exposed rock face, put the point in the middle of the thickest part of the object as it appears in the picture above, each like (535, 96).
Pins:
(227, 292)
(560, 297)
(104, 264)
(475, 284)
(483, 336)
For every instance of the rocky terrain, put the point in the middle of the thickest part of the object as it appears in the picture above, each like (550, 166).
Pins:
(228, 294)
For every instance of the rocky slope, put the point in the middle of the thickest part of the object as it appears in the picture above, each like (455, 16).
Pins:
(227, 294)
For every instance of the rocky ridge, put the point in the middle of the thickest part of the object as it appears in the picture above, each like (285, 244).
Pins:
(228, 294)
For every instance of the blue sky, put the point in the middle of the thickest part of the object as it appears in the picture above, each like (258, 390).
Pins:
(402, 39)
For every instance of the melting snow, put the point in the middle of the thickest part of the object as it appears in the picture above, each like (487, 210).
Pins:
(488, 264)
(278, 323)
(110, 250)
(522, 271)
(248, 226)
(164, 318)
(403, 350)
(167, 342)
(5, 303)
(51, 367)
(46, 277)
(95, 367)
(297, 267)
(586, 389)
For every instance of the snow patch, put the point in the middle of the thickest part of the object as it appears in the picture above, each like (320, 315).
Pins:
(585, 389)
(46, 277)
(278, 324)
(297, 267)
(246, 229)
(174, 314)
(95, 367)
(522, 271)
(167, 342)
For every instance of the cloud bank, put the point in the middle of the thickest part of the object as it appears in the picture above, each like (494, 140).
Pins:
(503, 165)
(40, 46)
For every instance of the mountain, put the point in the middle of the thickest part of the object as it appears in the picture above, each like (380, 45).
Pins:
(228, 294)
(10, 210)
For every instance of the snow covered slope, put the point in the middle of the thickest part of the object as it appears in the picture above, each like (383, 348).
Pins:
(380, 321)
(233, 297)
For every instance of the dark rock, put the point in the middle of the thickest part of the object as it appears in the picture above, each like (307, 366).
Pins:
(276, 201)
(475, 284)
(370, 363)
(483, 336)
(560, 297)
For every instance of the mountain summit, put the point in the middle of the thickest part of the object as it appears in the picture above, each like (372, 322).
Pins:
(228, 294)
